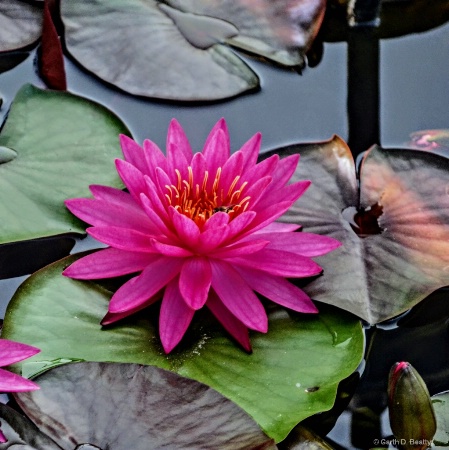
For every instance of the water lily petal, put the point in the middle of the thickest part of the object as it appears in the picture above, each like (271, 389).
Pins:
(159, 221)
(220, 125)
(230, 170)
(256, 191)
(218, 220)
(178, 144)
(212, 239)
(111, 318)
(250, 151)
(139, 289)
(262, 169)
(179, 153)
(199, 167)
(170, 250)
(279, 227)
(279, 290)
(307, 244)
(154, 158)
(284, 170)
(242, 248)
(110, 194)
(230, 323)
(238, 297)
(279, 263)
(194, 281)
(108, 263)
(291, 193)
(12, 352)
(11, 382)
(186, 228)
(122, 238)
(133, 153)
(265, 216)
(215, 157)
(132, 178)
(103, 213)
(241, 223)
(174, 318)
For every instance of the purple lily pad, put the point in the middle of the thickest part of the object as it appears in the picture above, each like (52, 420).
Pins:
(395, 231)
(118, 406)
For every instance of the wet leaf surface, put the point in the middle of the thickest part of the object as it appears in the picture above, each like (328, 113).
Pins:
(20, 24)
(395, 233)
(21, 433)
(441, 407)
(64, 143)
(118, 406)
(137, 47)
(280, 31)
(293, 372)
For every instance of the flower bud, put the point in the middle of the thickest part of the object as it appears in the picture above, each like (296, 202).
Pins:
(412, 418)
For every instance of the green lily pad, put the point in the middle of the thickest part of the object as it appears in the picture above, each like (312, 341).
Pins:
(293, 372)
(20, 24)
(440, 404)
(73, 407)
(148, 50)
(53, 145)
(394, 230)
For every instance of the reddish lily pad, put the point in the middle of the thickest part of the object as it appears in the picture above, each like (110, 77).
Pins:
(141, 48)
(395, 232)
(154, 408)
(293, 372)
(430, 140)
(281, 31)
(20, 24)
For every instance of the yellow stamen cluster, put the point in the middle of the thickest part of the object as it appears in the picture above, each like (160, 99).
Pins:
(199, 203)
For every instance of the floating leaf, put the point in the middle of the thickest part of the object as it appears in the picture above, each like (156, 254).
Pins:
(20, 24)
(64, 143)
(430, 140)
(281, 31)
(137, 47)
(122, 406)
(20, 431)
(293, 372)
(440, 404)
(395, 236)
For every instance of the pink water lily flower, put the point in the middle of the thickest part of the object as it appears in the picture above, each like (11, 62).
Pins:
(10, 353)
(200, 228)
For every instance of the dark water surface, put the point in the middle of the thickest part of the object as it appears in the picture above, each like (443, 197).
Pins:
(414, 95)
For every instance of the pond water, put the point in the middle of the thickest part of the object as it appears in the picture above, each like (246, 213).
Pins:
(290, 108)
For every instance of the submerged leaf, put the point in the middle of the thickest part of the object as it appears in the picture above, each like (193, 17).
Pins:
(293, 372)
(137, 47)
(64, 143)
(20, 24)
(395, 237)
(122, 406)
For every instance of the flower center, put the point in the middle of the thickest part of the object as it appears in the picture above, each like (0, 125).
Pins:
(199, 201)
